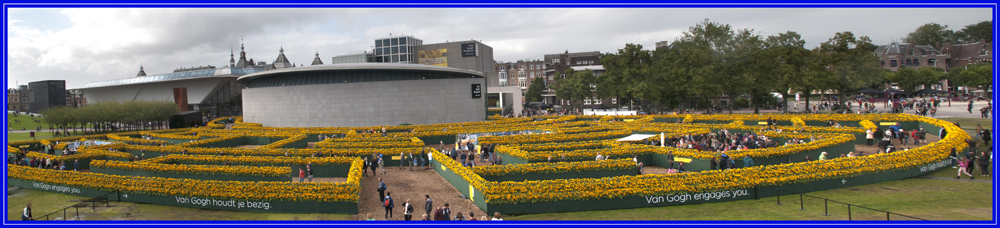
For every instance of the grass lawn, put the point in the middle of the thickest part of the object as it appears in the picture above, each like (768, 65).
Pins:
(45, 202)
(27, 123)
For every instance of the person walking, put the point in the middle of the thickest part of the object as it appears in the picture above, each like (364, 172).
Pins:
(970, 106)
(402, 160)
(381, 163)
(381, 189)
(388, 205)
(372, 165)
(961, 169)
(407, 210)
(26, 216)
(979, 131)
(987, 136)
(364, 168)
(428, 204)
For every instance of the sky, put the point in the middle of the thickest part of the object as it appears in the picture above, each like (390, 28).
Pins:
(82, 45)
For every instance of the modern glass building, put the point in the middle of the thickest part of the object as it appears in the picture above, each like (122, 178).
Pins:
(363, 57)
(396, 49)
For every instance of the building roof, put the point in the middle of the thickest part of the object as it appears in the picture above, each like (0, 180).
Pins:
(217, 72)
(361, 66)
(317, 61)
(899, 48)
(141, 72)
(281, 62)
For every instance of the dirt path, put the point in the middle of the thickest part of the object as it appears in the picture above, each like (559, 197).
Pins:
(873, 149)
(413, 185)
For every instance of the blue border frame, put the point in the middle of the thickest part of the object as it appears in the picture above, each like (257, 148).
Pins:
(519, 4)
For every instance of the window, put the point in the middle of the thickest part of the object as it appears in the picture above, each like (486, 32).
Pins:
(614, 100)
(395, 41)
(598, 101)
(395, 50)
(385, 42)
(983, 52)
(378, 43)
(911, 52)
(908, 63)
(532, 74)
(563, 76)
(892, 63)
(503, 83)
(403, 58)
(932, 62)
(386, 51)
(591, 61)
(916, 62)
(395, 58)
(503, 75)
(402, 49)
(578, 62)
(524, 84)
(402, 41)
(531, 67)
(554, 61)
(520, 74)
(586, 101)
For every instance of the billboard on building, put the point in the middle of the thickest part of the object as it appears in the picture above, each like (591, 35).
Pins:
(469, 50)
(436, 57)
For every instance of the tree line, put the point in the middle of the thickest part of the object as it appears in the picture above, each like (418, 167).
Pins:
(111, 116)
(713, 59)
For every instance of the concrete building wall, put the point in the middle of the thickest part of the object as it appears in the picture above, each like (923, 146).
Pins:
(198, 89)
(366, 103)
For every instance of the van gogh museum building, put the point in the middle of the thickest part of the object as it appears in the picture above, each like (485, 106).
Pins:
(401, 81)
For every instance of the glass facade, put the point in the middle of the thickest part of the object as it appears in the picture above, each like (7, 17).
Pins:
(175, 76)
(396, 49)
(348, 76)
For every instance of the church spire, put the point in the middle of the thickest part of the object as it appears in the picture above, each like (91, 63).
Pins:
(232, 60)
(317, 61)
(142, 72)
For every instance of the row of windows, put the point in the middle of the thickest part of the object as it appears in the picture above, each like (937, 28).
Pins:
(391, 50)
(910, 63)
(328, 77)
(393, 42)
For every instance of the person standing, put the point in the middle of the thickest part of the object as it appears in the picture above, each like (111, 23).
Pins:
(372, 165)
(302, 175)
(979, 131)
(26, 216)
(987, 136)
(747, 162)
(496, 217)
(822, 156)
(76, 165)
(402, 160)
(309, 169)
(364, 168)
(381, 189)
(970, 106)
(407, 210)
(381, 163)
(869, 135)
(428, 204)
(446, 213)
(388, 205)
(984, 164)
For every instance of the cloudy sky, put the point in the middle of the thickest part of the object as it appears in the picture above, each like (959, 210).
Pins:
(82, 45)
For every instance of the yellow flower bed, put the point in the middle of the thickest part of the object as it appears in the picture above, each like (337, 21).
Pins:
(560, 146)
(284, 142)
(798, 122)
(285, 191)
(541, 138)
(134, 140)
(238, 170)
(251, 160)
(868, 125)
(179, 135)
(557, 167)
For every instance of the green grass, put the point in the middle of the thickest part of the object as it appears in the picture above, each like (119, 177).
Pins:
(27, 123)
(922, 198)
(45, 202)
(14, 137)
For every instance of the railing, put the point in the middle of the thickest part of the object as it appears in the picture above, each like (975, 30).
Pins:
(93, 205)
(826, 208)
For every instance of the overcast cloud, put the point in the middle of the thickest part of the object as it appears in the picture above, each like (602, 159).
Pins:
(82, 45)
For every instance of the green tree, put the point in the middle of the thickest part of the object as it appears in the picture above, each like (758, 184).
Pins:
(930, 34)
(975, 32)
(851, 63)
(790, 55)
(576, 87)
(681, 71)
(534, 93)
(978, 75)
(906, 78)
(627, 73)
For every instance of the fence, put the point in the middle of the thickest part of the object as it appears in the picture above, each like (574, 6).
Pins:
(826, 208)
(93, 205)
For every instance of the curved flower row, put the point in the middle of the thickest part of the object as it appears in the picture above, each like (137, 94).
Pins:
(250, 160)
(541, 138)
(284, 142)
(134, 140)
(238, 170)
(263, 190)
(558, 167)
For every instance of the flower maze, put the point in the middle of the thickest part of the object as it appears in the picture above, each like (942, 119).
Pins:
(250, 167)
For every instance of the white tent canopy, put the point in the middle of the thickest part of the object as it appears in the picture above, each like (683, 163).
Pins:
(635, 137)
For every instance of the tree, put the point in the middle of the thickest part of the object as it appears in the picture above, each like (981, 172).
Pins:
(534, 93)
(975, 75)
(790, 67)
(627, 73)
(851, 63)
(681, 71)
(976, 32)
(930, 34)
(575, 87)
(905, 78)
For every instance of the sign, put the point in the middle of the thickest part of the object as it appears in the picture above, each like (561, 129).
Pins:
(477, 90)
(886, 123)
(684, 160)
(436, 57)
(469, 50)
(762, 123)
